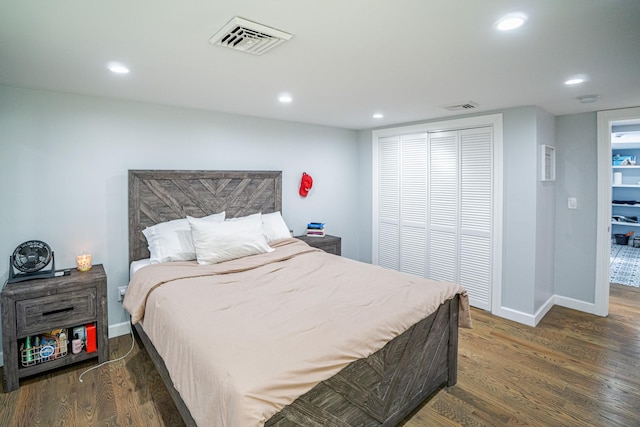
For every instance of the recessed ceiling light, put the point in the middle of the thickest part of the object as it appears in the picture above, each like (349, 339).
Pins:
(285, 98)
(118, 68)
(511, 21)
(575, 81)
(378, 116)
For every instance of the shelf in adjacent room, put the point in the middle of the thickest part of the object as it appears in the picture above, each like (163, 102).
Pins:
(626, 167)
(627, 186)
(626, 205)
(630, 224)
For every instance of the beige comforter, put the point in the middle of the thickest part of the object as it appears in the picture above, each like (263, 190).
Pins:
(244, 338)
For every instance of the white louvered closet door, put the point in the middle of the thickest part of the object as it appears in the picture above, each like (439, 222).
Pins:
(413, 204)
(434, 214)
(476, 218)
(460, 210)
(402, 213)
(388, 221)
(443, 206)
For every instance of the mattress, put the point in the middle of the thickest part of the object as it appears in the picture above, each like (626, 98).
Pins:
(244, 338)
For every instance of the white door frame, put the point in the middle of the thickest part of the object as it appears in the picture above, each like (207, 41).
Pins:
(603, 221)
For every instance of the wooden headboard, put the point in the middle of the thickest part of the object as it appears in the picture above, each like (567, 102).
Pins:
(162, 195)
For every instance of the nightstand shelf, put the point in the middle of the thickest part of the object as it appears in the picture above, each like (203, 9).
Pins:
(36, 307)
(328, 243)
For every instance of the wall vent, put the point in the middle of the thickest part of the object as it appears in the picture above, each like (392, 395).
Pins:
(247, 36)
(470, 105)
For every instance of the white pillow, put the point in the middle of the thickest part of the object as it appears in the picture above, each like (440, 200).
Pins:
(171, 240)
(223, 241)
(274, 227)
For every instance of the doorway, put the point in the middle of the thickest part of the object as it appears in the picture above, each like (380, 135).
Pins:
(607, 120)
(624, 268)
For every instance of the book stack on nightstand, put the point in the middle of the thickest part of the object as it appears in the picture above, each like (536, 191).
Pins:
(315, 229)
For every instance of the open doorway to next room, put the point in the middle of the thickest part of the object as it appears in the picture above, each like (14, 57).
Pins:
(624, 266)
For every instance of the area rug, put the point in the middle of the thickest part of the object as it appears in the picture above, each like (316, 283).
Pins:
(624, 268)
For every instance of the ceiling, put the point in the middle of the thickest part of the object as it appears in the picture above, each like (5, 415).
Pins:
(346, 60)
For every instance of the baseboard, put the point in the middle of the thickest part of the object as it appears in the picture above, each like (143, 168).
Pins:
(544, 309)
(526, 318)
(119, 329)
(515, 315)
(575, 304)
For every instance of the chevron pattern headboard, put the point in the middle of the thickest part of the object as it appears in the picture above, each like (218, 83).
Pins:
(162, 195)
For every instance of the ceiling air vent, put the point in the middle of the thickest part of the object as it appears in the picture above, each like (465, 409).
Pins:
(470, 105)
(246, 36)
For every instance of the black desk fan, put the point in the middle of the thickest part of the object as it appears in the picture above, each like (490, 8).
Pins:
(30, 258)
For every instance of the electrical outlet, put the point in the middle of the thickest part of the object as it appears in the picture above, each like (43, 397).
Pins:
(121, 291)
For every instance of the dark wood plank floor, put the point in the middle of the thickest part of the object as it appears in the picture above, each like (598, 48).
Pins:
(574, 369)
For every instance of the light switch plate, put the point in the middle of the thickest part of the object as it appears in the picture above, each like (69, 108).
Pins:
(573, 203)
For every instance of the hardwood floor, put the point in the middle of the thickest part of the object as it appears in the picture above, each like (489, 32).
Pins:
(573, 369)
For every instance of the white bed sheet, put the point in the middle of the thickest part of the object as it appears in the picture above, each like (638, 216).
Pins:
(137, 265)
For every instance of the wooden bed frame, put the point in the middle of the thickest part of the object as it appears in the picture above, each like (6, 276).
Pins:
(380, 390)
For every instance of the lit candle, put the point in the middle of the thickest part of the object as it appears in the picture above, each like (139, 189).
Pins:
(84, 262)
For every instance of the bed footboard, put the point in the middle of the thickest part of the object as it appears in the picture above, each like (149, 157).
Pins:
(388, 385)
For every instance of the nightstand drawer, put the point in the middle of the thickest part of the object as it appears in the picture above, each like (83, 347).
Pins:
(38, 314)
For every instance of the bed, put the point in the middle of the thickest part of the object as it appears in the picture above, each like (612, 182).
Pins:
(382, 387)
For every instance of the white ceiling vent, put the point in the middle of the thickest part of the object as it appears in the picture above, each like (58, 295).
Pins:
(246, 36)
(470, 105)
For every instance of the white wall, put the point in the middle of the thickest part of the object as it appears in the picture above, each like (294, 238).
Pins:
(576, 156)
(545, 217)
(519, 234)
(64, 161)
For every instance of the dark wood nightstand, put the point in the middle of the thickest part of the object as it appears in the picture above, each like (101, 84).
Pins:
(36, 307)
(328, 243)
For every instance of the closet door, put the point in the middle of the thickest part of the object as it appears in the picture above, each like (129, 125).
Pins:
(402, 213)
(413, 204)
(388, 214)
(443, 206)
(434, 214)
(476, 218)
(460, 210)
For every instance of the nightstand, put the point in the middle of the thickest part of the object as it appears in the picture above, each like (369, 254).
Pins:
(36, 307)
(328, 243)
